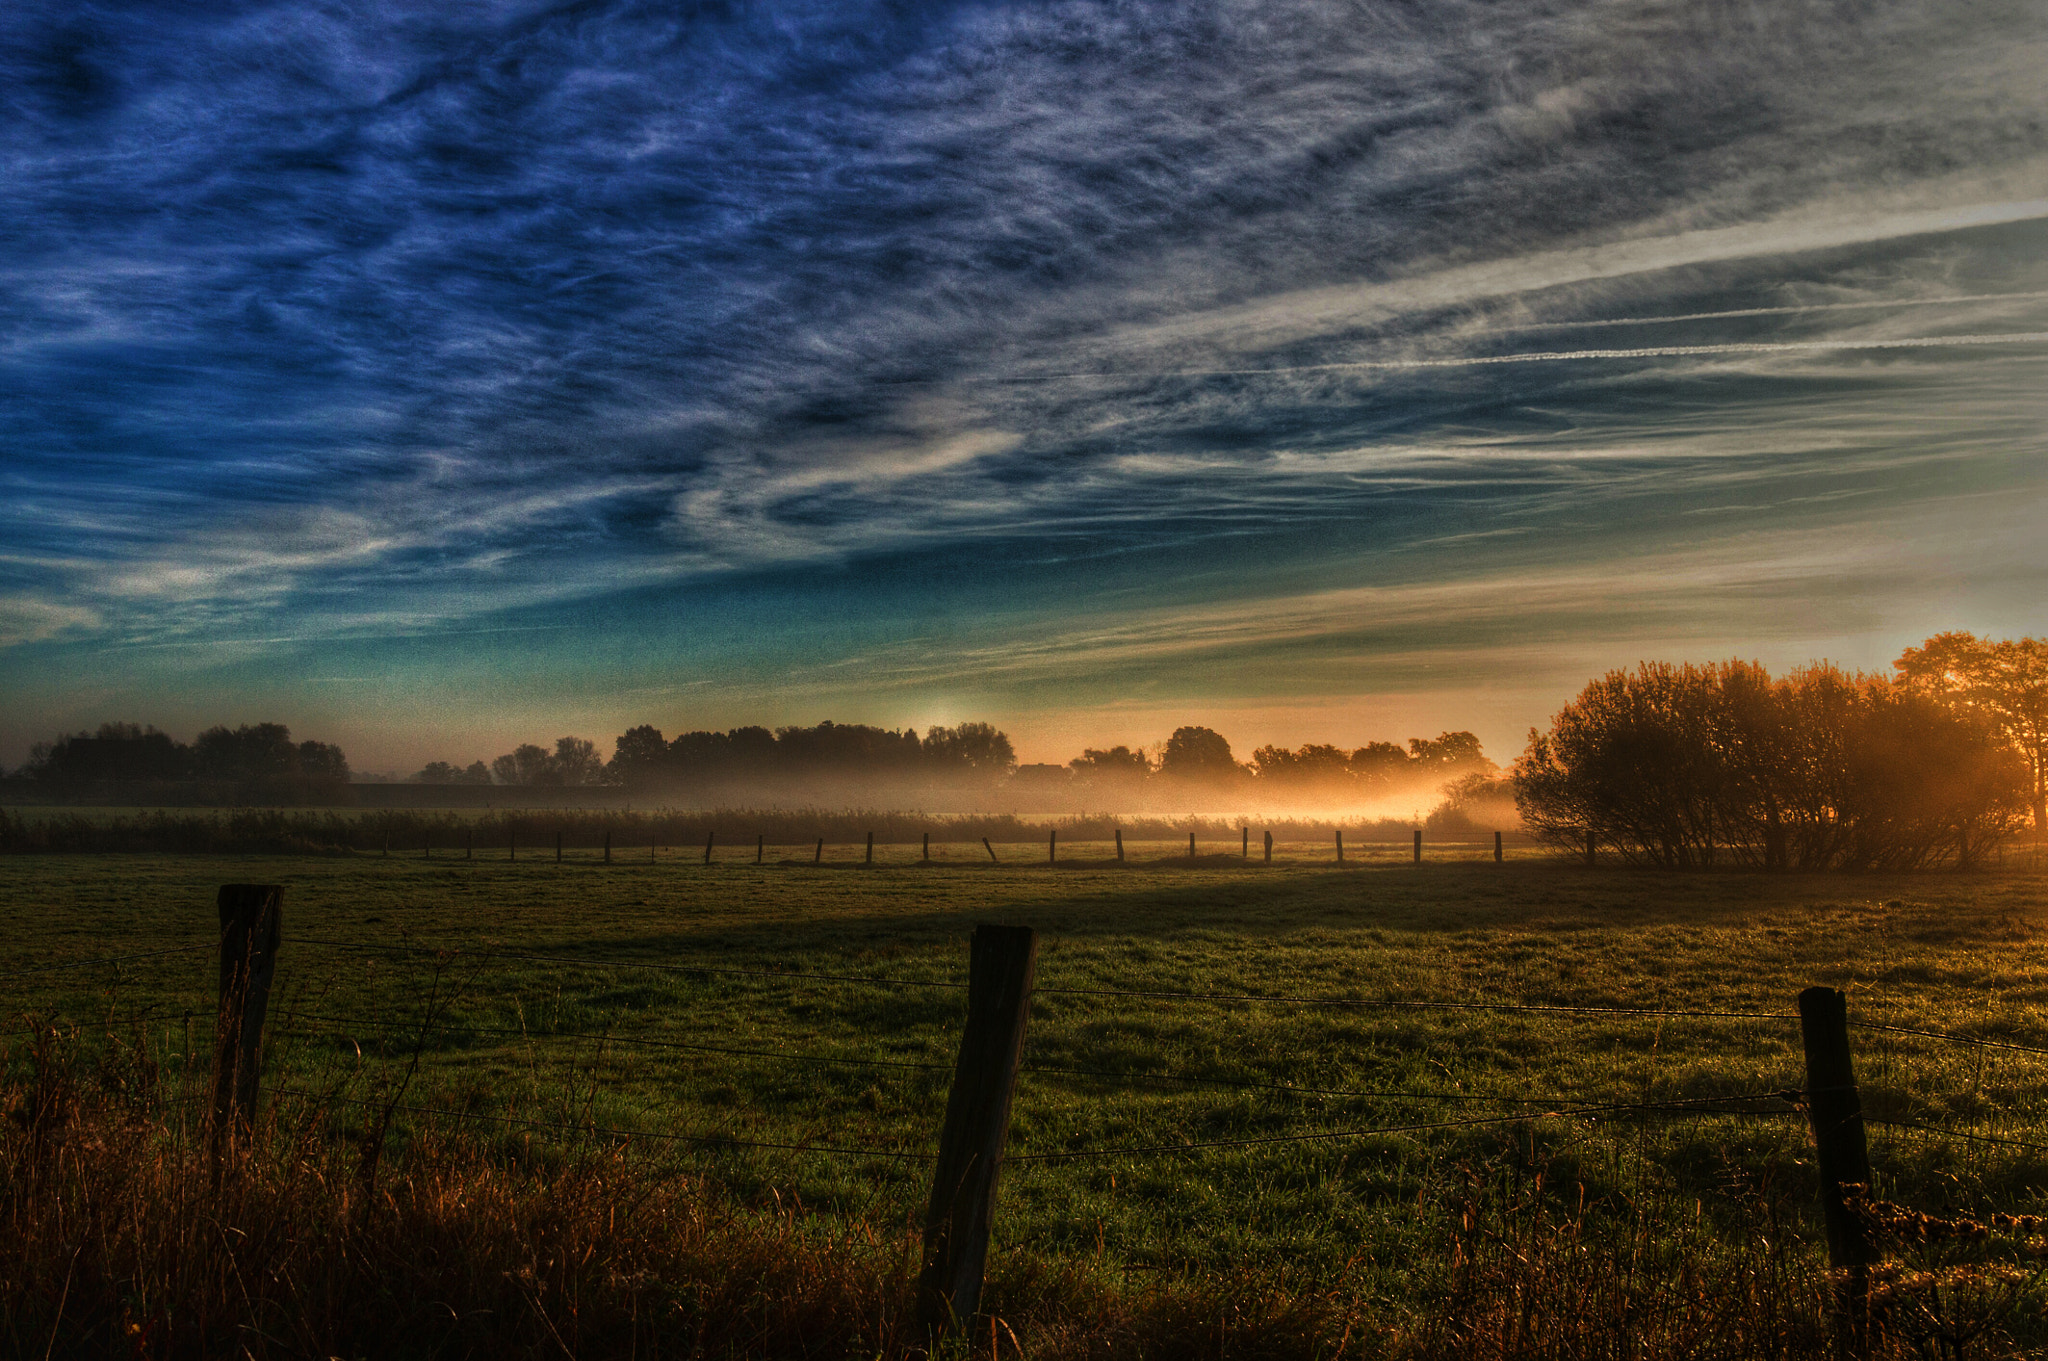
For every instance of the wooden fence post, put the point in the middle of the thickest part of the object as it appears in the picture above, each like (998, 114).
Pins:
(709, 837)
(977, 1126)
(1835, 1109)
(871, 849)
(760, 846)
(1052, 846)
(1119, 845)
(511, 844)
(1191, 845)
(250, 927)
(1246, 853)
(558, 848)
(1418, 845)
(990, 849)
(819, 858)
(1340, 845)
(1269, 848)
(927, 846)
(1496, 848)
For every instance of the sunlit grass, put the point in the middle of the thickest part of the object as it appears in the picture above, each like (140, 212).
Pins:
(567, 1042)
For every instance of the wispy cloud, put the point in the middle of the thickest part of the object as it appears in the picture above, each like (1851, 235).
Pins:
(317, 329)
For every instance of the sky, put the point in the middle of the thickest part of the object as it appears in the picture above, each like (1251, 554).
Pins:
(434, 378)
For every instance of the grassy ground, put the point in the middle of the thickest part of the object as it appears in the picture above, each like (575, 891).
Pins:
(389, 993)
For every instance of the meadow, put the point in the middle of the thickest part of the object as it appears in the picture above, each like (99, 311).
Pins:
(1336, 1082)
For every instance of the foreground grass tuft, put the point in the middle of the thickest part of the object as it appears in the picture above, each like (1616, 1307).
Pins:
(119, 1238)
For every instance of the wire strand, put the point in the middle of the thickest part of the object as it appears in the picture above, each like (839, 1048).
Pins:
(704, 1140)
(342, 1022)
(1617, 1107)
(1956, 1133)
(109, 959)
(468, 952)
(1949, 1036)
(1398, 1005)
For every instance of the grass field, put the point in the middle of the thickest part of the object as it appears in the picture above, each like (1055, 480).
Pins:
(393, 988)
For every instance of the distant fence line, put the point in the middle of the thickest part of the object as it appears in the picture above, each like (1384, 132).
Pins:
(272, 831)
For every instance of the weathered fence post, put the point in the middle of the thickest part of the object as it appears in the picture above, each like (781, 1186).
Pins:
(1191, 845)
(819, 858)
(871, 849)
(990, 849)
(1418, 845)
(1836, 1111)
(977, 1126)
(558, 848)
(249, 931)
(1119, 845)
(709, 837)
(1496, 848)
(927, 845)
(760, 846)
(1269, 848)
(1340, 845)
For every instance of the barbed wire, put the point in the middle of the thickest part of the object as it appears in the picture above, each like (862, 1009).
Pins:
(1949, 1036)
(1241, 1084)
(702, 1140)
(1694, 1106)
(473, 953)
(611, 1037)
(1947, 1133)
(109, 959)
(340, 1025)
(1394, 1004)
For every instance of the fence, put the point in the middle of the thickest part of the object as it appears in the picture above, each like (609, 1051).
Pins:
(971, 1146)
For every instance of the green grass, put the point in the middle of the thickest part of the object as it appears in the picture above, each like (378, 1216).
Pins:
(584, 1041)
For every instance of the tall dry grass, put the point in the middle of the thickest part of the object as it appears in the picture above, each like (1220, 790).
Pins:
(120, 1238)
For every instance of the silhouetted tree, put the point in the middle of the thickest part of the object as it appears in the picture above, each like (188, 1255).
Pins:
(1689, 766)
(436, 772)
(525, 764)
(1098, 765)
(2005, 680)
(1312, 765)
(576, 761)
(972, 748)
(117, 752)
(1197, 754)
(639, 757)
(1377, 766)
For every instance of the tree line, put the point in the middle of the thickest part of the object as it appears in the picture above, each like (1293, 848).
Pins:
(253, 762)
(1692, 766)
(972, 754)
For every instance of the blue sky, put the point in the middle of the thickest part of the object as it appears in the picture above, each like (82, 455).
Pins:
(433, 379)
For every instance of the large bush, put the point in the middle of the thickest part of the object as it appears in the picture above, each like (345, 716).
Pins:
(1692, 766)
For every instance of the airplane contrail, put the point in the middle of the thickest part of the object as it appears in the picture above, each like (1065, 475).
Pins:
(1557, 356)
(1787, 311)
